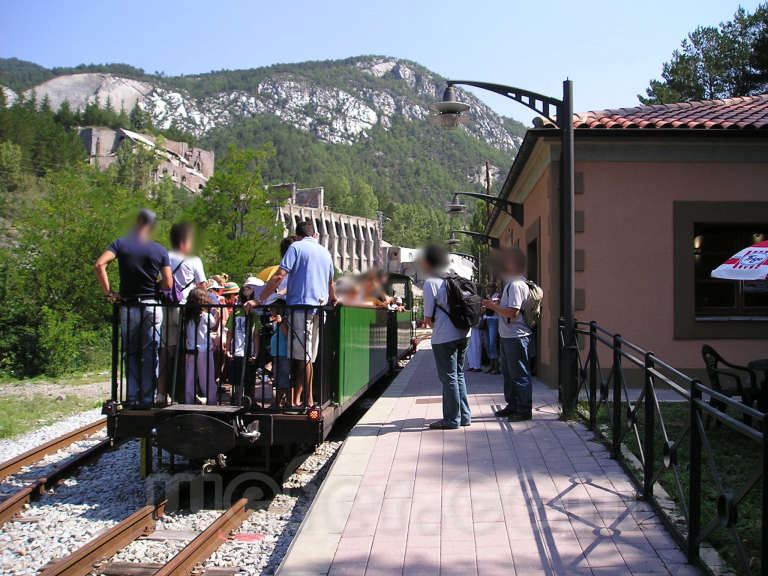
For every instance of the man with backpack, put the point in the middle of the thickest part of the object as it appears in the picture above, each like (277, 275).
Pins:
(451, 307)
(515, 336)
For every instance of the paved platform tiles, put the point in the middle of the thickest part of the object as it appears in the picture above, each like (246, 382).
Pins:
(532, 498)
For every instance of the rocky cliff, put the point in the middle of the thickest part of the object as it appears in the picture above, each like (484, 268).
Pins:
(337, 101)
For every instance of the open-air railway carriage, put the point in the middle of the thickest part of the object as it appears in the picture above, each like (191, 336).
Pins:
(245, 429)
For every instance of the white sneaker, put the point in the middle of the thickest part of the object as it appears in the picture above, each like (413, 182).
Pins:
(201, 400)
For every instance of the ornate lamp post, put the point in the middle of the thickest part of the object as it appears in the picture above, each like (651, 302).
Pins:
(450, 113)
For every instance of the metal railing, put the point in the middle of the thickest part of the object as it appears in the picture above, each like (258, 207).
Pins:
(640, 422)
(219, 354)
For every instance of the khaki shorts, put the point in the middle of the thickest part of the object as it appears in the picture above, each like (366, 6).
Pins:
(305, 334)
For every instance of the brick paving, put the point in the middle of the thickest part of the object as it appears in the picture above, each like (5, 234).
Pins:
(526, 498)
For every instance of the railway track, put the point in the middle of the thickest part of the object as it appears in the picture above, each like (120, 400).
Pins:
(142, 523)
(16, 502)
(36, 454)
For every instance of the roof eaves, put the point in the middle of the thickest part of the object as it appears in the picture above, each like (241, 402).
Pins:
(529, 142)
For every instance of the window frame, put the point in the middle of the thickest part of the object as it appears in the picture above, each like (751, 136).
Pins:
(687, 325)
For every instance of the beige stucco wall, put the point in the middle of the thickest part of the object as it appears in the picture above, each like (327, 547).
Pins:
(538, 215)
(628, 243)
(629, 186)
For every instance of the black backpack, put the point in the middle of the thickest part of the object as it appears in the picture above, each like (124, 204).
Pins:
(464, 302)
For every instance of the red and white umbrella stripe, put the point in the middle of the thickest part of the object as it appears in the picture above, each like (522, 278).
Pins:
(749, 264)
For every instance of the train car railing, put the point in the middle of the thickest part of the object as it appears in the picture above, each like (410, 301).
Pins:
(683, 457)
(274, 358)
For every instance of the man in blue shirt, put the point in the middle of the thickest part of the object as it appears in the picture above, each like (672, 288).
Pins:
(310, 285)
(140, 262)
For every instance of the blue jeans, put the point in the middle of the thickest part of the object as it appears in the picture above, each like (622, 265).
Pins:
(517, 376)
(141, 342)
(491, 337)
(449, 358)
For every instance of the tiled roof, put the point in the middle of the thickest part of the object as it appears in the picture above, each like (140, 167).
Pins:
(744, 113)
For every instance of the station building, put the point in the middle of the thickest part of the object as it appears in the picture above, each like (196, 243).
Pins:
(664, 194)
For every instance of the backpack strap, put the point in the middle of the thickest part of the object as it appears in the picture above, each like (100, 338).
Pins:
(188, 284)
(436, 306)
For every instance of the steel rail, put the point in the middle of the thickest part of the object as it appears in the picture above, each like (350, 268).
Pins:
(35, 454)
(81, 561)
(15, 503)
(205, 543)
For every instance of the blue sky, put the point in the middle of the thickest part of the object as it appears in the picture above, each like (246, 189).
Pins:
(610, 49)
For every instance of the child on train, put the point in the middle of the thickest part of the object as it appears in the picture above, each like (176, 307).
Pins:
(201, 323)
(242, 347)
(281, 364)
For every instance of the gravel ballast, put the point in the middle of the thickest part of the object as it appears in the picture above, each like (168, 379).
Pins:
(12, 447)
(95, 498)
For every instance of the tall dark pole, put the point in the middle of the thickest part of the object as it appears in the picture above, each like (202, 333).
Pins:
(449, 112)
(567, 359)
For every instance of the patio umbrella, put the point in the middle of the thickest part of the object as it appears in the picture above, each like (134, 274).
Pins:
(749, 264)
(267, 273)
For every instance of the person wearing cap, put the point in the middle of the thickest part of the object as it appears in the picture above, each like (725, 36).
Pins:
(140, 262)
(229, 292)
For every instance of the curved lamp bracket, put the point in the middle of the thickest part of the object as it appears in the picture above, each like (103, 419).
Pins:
(514, 209)
(543, 105)
(493, 242)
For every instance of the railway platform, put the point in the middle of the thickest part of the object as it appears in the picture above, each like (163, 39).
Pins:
(528, 498)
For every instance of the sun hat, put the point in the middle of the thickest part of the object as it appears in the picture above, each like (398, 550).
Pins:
(253, 281)
(230, 288)
(212, 284)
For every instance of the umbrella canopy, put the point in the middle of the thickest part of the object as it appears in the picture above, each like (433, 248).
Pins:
(267, 273)
(749, 264)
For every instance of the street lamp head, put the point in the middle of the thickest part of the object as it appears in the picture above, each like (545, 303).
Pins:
(452, 241)
(455, 207)
(449, 111)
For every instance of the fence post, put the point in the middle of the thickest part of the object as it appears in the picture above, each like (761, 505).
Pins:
(764, 523)
(616, 398)
(648, 425)
(115, 350)
(694, 488)
(592, 359)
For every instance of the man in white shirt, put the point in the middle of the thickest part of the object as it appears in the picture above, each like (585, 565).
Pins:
(515, 338)
(187, 273)
(449, 344)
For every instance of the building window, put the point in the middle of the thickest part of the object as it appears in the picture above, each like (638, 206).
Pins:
(706, 234)
(713, 244)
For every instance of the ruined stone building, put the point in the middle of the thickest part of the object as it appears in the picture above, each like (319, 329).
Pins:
(187, 166)
(353, 241)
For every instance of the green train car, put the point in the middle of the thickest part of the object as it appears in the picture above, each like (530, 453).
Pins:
(357, 347)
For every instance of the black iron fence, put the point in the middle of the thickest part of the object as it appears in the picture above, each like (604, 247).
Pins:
(635, 419)
(270, 357)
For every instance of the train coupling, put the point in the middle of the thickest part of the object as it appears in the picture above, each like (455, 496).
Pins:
(250, 432)
(212, 464)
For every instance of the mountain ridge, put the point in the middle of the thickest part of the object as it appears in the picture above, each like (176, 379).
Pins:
(338, 100)
(337, 123)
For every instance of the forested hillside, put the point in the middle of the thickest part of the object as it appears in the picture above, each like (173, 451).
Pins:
(355, 126)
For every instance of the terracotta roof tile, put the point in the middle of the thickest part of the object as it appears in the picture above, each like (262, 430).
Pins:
(745, 113)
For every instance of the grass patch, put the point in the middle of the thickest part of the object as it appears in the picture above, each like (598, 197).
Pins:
(736, 458)
(68, 380)
(18, 415)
